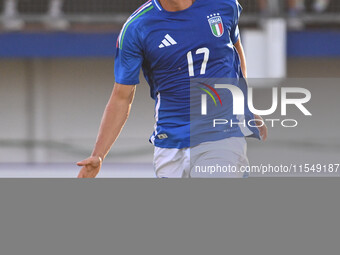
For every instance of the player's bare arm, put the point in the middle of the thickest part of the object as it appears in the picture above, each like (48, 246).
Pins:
(263, 129)
(239, 47)
(114, 118)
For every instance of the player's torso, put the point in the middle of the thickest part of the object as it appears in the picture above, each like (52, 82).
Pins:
(195, 42)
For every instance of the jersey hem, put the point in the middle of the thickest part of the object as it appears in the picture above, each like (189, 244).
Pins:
(180, 145)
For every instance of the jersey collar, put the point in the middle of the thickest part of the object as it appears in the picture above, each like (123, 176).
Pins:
(158, 5)
(161, 9)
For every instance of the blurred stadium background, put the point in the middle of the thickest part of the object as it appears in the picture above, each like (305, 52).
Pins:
(56, 75)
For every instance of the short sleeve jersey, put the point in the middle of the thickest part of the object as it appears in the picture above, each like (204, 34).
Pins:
(172, 48)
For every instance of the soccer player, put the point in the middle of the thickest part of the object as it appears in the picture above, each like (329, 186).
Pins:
(174, 41)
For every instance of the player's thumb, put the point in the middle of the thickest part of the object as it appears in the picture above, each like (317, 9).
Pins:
(84, 162)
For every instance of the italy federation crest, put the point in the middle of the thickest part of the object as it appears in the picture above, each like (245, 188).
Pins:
(216, 24)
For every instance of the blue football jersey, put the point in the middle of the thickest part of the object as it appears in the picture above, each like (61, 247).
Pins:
(174, 47)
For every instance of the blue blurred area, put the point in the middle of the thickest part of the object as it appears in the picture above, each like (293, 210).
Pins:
(314, 44)
(102, 45)
(57, 45)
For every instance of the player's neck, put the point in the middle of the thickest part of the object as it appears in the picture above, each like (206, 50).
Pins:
(176, 5)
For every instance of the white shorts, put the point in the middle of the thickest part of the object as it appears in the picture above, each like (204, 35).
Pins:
(219, 159)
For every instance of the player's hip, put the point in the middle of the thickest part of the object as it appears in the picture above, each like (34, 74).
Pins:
(218, 159)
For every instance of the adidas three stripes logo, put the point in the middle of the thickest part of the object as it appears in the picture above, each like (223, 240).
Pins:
(167, 42)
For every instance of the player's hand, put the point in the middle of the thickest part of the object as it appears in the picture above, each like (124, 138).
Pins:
(90, 167)
(262, 127)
